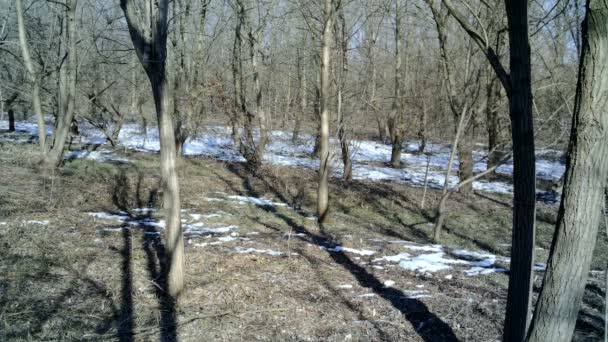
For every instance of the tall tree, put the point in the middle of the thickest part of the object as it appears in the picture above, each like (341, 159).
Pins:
(518, 86)
(149, 36)
(326, 40)
(342, 75)
(395, 121)
(67, 88)
(32, 77)
(584, 183)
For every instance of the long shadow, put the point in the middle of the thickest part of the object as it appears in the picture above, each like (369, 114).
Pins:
(53, 308)
(428, 325)
(156, 259)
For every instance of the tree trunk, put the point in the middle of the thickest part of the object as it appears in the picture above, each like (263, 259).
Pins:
(382, 130)
(297, 125)
(33, 78)
(396, 141)
(323, 191)
(422, 129)
(493, 94)
(317, 104)
(341, 83)
(54, 157)
(395, 122)
(585, 180)
(11, 120)
(171, 200)
(152, 53)
(524, 175)
(465, 161)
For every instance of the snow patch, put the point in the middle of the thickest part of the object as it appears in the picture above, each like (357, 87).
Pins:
(340, 249)
(242, 250)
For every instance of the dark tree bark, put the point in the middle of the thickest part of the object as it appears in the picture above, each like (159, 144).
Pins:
(524, 173)
(585, 180)
(11, 120)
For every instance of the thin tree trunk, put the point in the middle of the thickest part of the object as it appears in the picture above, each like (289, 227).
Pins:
(33, 78)
(493, 122)
(395, 121)
(422, 129)
(297, 126)
(323, 191)
(341, 82)
(585, 180)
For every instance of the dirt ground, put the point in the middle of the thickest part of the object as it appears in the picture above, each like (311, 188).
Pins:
(79, 277)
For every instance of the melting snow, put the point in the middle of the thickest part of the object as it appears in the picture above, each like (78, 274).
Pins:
(432, 262)
(216, 142)
(431, 248)
(256, 201)
(42, 223)
(339, 249)
(242, 250)
(389, 283)
(367, 295)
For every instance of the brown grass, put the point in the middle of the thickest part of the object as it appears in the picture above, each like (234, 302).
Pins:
(71, 281)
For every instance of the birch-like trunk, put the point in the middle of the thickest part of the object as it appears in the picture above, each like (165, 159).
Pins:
(323, 191)
(32, 77)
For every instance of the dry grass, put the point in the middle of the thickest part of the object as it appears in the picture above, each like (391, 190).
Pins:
(71, 281)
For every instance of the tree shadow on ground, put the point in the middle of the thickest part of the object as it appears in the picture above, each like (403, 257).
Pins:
(156, 258)
(426, 324)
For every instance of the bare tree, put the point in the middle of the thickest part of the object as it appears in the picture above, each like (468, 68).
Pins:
(67, 89)
(342, 75)
(396, 119)
(584, 183)
(149, 36)
(323, 191)
(518, 86)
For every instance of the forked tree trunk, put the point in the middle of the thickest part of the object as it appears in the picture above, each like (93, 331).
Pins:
(54, 157)
(151, 49)
(323, 191)
(33, 78)
(585, 180)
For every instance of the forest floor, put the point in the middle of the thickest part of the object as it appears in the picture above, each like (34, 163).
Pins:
(81, 256)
